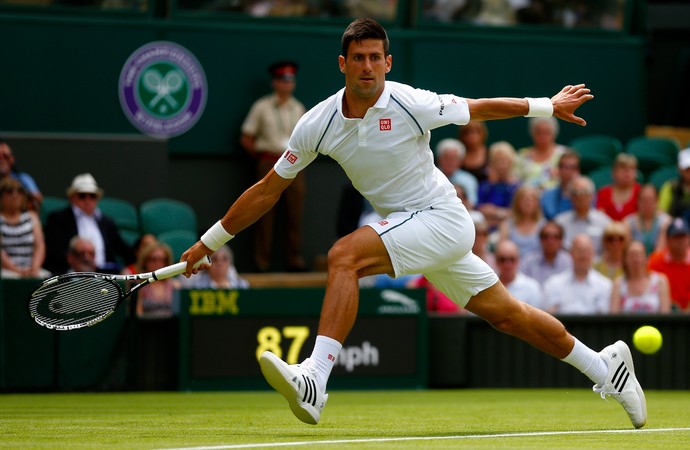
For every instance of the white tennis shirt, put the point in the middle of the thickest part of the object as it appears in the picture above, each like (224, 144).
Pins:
(386, 154)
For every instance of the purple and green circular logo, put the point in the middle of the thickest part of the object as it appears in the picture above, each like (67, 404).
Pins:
(162, 89)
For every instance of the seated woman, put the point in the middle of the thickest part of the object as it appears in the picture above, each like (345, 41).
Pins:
(537, 164)
(23, 245)
(619, 199)
(639, 290)
(614, 241)
(648, 225)
(496, 193)
(525, 220)
(221, 275)
(156, 299)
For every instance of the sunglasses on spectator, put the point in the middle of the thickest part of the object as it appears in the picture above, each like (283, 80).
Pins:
(505, 259)
(546, 236)
(614, 238)
(580, 192)
(84, 195)
(13, 191)
(5, 156)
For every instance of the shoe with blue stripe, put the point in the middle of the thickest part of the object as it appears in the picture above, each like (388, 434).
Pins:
(297, 383)
(621, 383)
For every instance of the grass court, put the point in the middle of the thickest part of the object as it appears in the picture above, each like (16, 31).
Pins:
(435, 419)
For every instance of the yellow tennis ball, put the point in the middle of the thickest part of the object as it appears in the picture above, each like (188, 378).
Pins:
(647, 339)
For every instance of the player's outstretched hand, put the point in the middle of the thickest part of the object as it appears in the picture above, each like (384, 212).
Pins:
(568, 100)
(193, 254)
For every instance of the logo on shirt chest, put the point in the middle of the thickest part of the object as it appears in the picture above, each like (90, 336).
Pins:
(385, 125)
(291, 157)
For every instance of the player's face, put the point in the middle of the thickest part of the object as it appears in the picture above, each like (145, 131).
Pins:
(365, 67)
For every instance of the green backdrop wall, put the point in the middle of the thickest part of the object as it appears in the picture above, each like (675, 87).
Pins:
(60, 75)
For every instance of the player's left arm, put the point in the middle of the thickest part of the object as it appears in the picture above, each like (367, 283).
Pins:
(563, 103)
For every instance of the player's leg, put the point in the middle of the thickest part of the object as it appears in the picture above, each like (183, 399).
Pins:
(506, 314)
(611, 370)
(303, 385)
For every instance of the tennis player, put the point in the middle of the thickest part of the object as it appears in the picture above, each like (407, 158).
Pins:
(379, 132)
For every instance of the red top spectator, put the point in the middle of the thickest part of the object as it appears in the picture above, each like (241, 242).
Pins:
(619, 198)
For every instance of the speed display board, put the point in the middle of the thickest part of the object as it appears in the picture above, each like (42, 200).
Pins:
(223, 332)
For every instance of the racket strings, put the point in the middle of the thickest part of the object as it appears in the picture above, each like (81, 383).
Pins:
(74, 300)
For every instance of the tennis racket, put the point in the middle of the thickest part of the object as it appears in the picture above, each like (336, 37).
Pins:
(82, 299)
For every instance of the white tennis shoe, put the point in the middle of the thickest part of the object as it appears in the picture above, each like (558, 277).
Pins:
(297, 384)
(622, 384)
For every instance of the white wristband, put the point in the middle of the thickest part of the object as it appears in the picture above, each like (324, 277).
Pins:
(539, 107)
(216, 236)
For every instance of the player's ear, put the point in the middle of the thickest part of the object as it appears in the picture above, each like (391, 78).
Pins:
(389, 63)
(341, 63)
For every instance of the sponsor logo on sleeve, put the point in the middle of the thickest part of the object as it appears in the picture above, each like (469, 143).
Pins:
(443, 106)
(291, 157)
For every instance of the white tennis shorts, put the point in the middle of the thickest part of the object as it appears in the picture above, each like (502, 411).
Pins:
(437, 243)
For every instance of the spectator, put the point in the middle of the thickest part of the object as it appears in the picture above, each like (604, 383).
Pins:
(551, 258)
(474, 137)
(583, 218)
(674, 195)
(23, 244)
(536, 165)
(376, 9)
(8, 169)
(460, 191)
(613, 243)
(518, 284)
(83, 218)
(557, 199)
(648, 224)
(143, 241)
(221, 275)
(81, 255)
(481, 242)
(619, 199)
(265, 135)
(156, 299)
(496, 193)
(450, 154)
(640, 290)
(674, 262)
(525, 220)
(582, 290)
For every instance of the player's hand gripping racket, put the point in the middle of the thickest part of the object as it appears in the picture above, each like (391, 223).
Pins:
(81, 299)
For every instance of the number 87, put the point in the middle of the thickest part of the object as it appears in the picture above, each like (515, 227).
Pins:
(269, 338)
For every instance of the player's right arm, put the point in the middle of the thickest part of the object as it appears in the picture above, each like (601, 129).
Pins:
(247, 209)
(254, 202)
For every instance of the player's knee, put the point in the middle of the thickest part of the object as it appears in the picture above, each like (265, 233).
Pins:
(510, 320)
(340, 256)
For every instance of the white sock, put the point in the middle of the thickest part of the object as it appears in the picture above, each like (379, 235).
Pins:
(588, 362)
(323, 358)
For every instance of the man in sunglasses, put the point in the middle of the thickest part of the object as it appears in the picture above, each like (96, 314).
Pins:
(83, 218)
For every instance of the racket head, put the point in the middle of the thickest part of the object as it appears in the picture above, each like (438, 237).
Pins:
(75, 300)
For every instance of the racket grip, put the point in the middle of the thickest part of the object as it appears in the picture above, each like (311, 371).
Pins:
(177, 269)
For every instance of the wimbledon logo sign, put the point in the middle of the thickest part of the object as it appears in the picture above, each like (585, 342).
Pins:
(162, 89)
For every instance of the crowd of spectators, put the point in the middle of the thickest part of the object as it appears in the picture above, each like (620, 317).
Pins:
(538, 221)
(81, 238)
(618, 247)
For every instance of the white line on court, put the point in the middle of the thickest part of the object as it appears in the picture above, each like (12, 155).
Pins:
(430, 438)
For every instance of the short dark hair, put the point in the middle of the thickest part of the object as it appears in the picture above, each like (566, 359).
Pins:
(365, 28)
